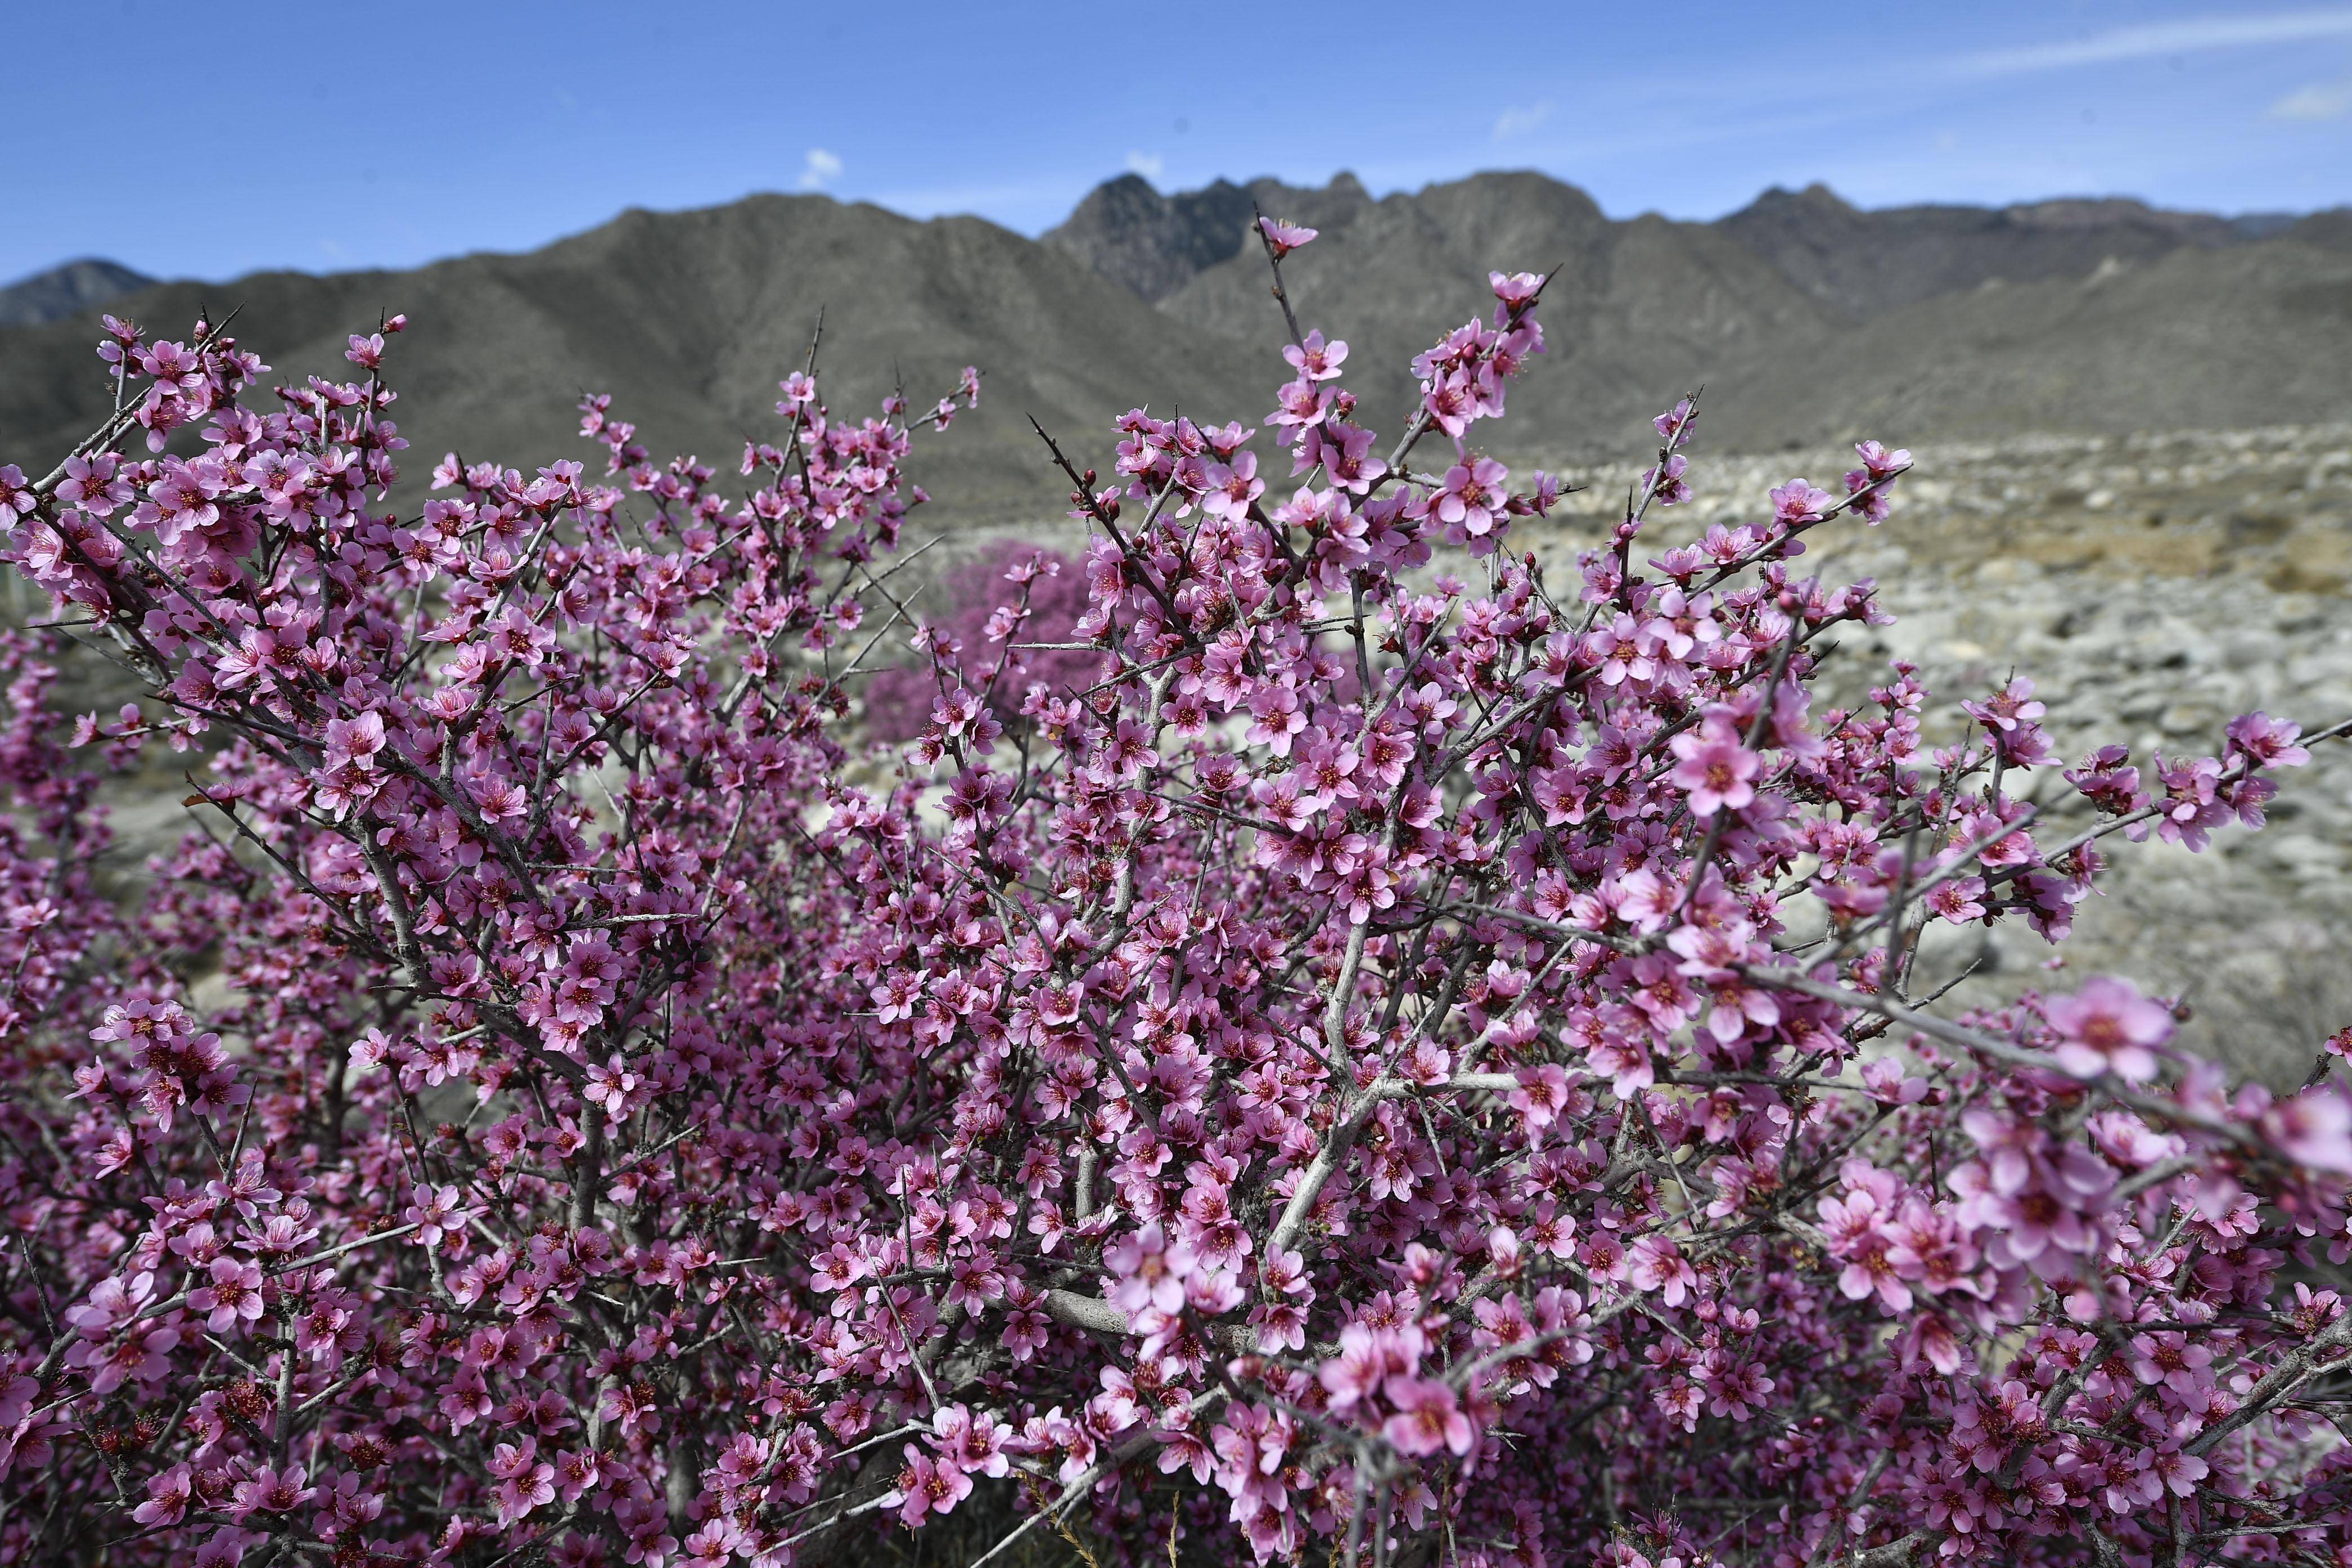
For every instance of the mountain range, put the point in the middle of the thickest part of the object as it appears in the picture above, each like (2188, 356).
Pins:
(68, 290)
(1806, 318)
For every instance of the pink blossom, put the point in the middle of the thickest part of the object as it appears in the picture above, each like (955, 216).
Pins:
(1470, 499)
(2267, 740)
(1656, 1263)
(1148, 1270)
(1800, 501)
(1282, 238)
(2313, 1127)
(168, 1493)
(272, 1491)
(1878, 462)
(928, 1486)
(2108, 1026)
(1313, 359)
(1427, 1418)
(1716, 768)
(232, 1297)
(440, 1213)
(524, 1481)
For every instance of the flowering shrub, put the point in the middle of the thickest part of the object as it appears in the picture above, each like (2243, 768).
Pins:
(1408, 1064)
(1018, 604)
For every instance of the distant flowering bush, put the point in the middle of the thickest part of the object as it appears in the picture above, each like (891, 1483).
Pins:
(1392, 1061)
(1015, 603)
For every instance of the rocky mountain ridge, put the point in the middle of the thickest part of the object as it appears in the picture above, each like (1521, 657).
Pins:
(1858, 262)
(68, 290)
(1806, 318)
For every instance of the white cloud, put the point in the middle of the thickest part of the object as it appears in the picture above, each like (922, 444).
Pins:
(821, 169)
(2331, 100)
(1519, 121)
(2153, 40)
(1151, 165)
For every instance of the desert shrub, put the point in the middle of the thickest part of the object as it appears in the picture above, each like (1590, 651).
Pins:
(1418, 1063)
(1017, 603)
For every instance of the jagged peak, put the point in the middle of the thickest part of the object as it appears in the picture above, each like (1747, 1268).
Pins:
(67, 289)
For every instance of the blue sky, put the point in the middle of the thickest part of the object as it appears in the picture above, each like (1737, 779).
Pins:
(204, 141)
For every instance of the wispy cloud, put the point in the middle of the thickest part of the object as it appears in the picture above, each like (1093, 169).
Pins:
(2156, 40)
(1513, 123)
(1151, 165)
(2328, 101)
(821, 169)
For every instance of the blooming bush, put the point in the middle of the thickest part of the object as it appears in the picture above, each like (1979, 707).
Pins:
(1414, 1061)
(1018, 604)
